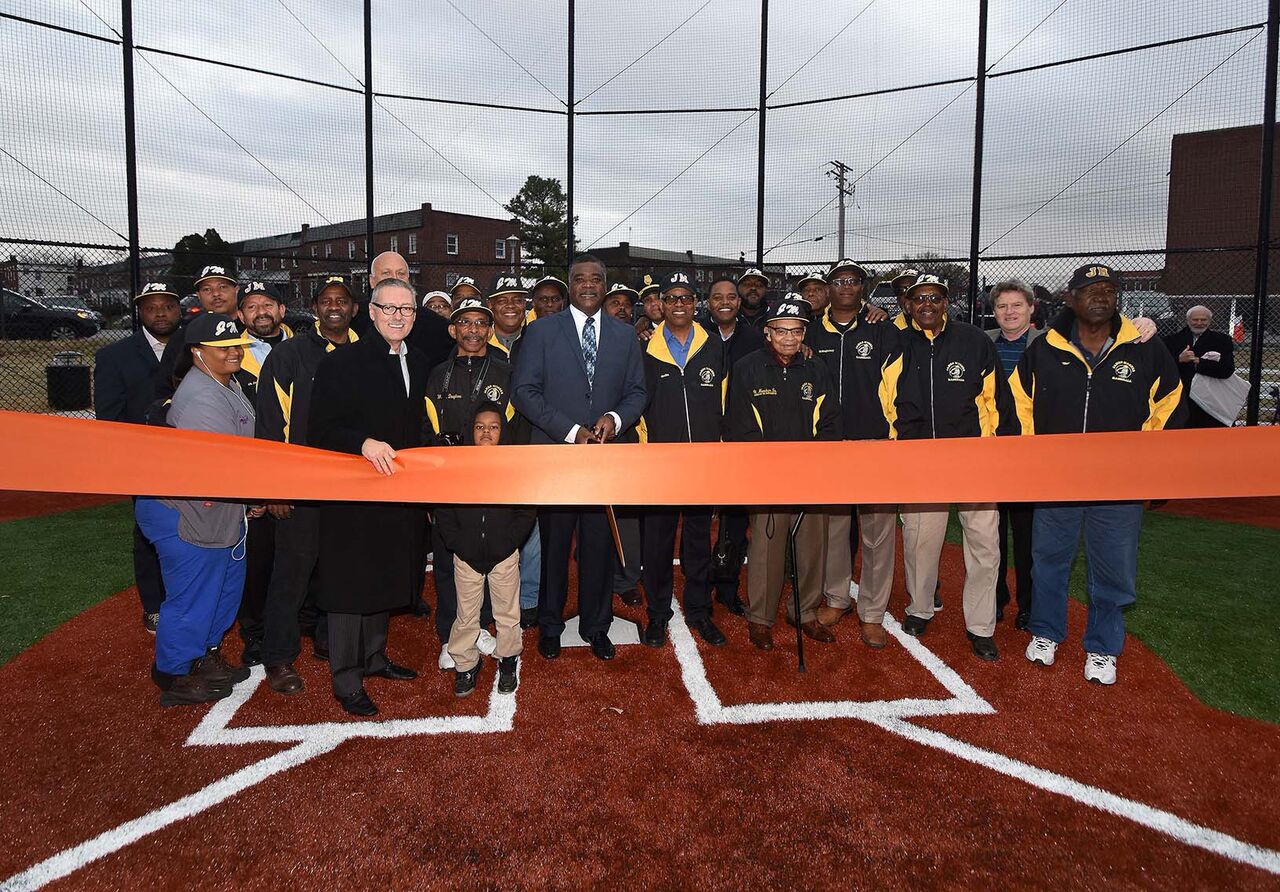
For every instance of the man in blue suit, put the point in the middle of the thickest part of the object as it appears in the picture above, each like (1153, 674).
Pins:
(579, 380)
(123, 387)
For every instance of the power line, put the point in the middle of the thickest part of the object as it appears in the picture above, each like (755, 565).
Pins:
(505, 53)
(422, 140)
(645, 53)
(1094, 166)
(830, 41)
(683, 171)
(23, 165)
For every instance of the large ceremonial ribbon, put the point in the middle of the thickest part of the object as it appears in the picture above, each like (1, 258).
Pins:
(54, 454)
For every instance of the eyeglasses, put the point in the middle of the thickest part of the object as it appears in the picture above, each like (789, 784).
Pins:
(472, 323)
(928, 298)
(679, 299)
(787, 332)
(846, 280)
(388, 310)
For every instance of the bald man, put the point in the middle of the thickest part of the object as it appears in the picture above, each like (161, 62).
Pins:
(430, 332)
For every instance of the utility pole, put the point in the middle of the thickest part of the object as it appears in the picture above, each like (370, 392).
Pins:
(839, 171)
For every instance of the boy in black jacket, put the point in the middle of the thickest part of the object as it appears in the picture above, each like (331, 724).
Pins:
(485, 542)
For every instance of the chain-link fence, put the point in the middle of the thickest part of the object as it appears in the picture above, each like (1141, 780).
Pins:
(295, 139)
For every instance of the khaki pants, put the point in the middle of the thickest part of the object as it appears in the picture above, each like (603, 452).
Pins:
(766, 564)
(878, 528)
(838, 570)
(504, 594)
(924, 527)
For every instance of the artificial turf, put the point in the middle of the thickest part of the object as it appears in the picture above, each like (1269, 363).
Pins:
(1206, 594)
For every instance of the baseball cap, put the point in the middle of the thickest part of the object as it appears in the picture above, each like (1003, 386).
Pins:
(910, 274)
(161, 288)
(470, 305)
(753, 273)
(649, 285)
(1094, 272)
(551, 280)
(926, 279)
(215, 272)
(334, 282)
(215, 330)
(846, 263)
(793, 306)
(505, 283)
(806, 278)
(678, 279)
(258, 288)
(443, 294)
(463, 280)
(622, 288)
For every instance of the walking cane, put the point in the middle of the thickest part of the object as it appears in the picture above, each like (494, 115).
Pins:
(795, 588)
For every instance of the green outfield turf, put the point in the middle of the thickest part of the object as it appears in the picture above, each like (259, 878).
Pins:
(1207, 599)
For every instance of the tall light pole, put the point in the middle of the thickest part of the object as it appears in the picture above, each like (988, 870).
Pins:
(839, 171)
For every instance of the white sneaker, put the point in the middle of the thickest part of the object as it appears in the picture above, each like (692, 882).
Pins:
(1042, 650)
(446, 661)
(486, 643)
(1100, 668)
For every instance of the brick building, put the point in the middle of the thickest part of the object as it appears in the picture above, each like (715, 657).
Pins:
(631, 263)
(1213, 203)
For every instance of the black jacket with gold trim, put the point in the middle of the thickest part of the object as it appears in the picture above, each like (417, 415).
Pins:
(776, 403)
(685, 405)
(866, 363)
(284, 385)
(1133, 386)
(953, 386)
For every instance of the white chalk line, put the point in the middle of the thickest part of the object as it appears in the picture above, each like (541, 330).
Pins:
(891, 715)
(309, 741)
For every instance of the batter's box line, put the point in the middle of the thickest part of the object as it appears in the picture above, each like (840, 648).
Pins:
(892, 715)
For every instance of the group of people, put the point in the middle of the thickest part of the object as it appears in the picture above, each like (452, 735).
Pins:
(587, 361)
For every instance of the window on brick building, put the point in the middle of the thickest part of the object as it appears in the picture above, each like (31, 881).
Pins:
(395, 243)
(451, 244)
(500, 249)
(351, 250)
(328, 250)
(413, 243)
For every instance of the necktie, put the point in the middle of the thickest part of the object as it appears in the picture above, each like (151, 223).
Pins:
(589, 348)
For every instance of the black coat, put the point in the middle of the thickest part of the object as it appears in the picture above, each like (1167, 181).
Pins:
(1208, 342)
(124, 379)
(370, 552)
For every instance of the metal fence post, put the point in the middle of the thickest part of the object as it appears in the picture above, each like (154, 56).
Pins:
(1262, 261)
(130, 155)
(764, 77)
(568, 177)
(975, 221)
(370, 248)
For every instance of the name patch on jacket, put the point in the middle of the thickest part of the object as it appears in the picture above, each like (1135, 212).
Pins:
(955, 371)
(1123, 371)
(707, 376)
(862, 350)
(764, 391)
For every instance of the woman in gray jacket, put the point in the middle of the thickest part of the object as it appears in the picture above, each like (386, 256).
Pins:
(201, 542)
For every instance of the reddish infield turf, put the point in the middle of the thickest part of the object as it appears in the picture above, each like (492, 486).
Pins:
(1263, 511)
(15, 505)
(606, 774)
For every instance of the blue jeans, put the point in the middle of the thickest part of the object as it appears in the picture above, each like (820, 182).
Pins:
(530, 570)
(202, 589)
(1111, 549)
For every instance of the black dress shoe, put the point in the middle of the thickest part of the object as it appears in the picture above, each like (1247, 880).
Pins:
(528, 617)
(358, 704)
(984, 648)
(735, 606)
(602, 647)
(630, 597)
(1020, 621)
(549, 646)
(252, 655)
(419, 607)
(655, 635)
(999, 614)
(709, 632)
(395, 672)
(320, 651)
(915, 626)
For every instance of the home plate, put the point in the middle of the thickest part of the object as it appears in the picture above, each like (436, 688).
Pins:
(623, 631)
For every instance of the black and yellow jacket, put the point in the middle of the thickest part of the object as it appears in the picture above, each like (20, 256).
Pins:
(772, 402)
(459, 384)
(685, 405)
(865, 362)
(1133, 386)
(284, 385)
(953, 386)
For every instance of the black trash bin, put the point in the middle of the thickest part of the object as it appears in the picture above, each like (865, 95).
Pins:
(67, 377)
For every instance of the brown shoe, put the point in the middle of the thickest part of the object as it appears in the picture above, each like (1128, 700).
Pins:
(874, 635)
(817, 631)
(761, 635)
(630, 597)
(283, 679)
(187, 690)
(216, 670)
(829, 616)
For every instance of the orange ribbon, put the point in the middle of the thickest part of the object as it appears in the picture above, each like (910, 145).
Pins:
(52, 454)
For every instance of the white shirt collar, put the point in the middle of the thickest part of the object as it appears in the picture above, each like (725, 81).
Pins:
(580, 318)
(156, 346)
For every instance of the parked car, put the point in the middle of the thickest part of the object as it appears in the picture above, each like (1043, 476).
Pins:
(23, 317)
(73, 302)
(1156, 306)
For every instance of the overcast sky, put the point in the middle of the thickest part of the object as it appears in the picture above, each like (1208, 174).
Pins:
(254, 155)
